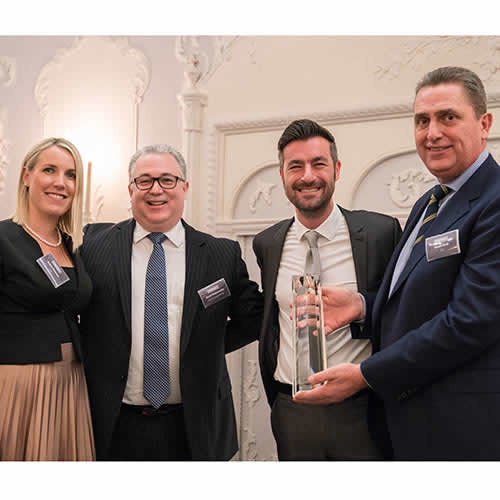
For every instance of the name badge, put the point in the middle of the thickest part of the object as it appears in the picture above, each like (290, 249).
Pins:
(53, 270)
(442, 245)
(213, 293)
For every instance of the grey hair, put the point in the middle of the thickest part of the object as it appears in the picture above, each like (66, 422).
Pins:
(157, 148)
(472, 84)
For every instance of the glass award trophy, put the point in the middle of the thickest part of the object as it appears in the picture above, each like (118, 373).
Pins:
(309, 331)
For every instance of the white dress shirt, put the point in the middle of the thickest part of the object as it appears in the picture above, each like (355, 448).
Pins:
(175, 260)
(337, 268)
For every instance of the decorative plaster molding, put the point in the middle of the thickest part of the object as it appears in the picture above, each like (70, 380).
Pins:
(199, 67)
(234, 228)
(211, 181)
(195, 60)
(251, 386)
(222, 48)
(273, 122)
(407, 186)
(414, 57)
(3, 150)
(142, 76)
(250, 394)
(374, 165)
(192, 103)
(250, 445)
(139, 82)
(263, 191)
(7, 71)
(356, 115)
(222, 53)
(219, 130)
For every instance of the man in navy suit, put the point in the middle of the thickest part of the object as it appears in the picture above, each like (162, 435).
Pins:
(435, 319)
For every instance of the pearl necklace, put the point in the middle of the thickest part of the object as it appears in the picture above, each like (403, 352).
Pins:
(59, 241)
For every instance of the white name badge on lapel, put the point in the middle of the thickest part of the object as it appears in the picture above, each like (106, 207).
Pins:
(442, 245)
(53, 270)
(213, 293)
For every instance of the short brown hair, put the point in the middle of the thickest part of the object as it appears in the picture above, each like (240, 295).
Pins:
(301, 130)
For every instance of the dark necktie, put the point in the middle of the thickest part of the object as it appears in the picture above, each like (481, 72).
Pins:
(313, 262)
(156, 363)
(437, 194)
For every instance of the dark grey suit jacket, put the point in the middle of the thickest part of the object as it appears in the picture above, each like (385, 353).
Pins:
(373, 238)
(206, 334)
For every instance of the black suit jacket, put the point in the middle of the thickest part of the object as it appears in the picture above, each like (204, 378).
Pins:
(373, 239)
(438, 369)
(35, 317)
(206, 334)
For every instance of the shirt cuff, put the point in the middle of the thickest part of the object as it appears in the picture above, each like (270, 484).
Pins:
(361, 321)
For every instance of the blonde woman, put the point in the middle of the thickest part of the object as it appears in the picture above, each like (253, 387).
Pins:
(44, 410)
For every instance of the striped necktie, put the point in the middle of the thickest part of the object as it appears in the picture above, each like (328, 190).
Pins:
(437, 194)
(156, 362)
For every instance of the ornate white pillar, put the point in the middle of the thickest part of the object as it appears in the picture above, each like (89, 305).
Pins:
(192, 100)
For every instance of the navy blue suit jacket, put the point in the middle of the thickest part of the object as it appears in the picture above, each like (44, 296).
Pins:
(438, 369)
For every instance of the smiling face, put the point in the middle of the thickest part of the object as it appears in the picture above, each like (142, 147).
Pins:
(448, 135)
(157, 209)
(51, 183)
(309, 176)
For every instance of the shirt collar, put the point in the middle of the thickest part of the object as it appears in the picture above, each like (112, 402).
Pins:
(176, 235)
(328, 229)
(457, 183)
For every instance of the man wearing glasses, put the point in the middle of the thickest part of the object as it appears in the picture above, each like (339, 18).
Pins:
(156, 331)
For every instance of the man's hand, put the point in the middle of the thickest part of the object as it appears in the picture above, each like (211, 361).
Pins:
(341, 307)
(342, 381)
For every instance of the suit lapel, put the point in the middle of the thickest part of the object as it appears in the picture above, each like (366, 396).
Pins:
(196, 264)
(273, 258)
(121, 249)
(455, 209)
(357, 234)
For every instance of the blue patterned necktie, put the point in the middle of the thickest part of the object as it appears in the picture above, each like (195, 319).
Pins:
(156, 363)
(437, 194)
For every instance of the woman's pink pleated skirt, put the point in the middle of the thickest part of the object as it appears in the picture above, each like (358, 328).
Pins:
(44, 411)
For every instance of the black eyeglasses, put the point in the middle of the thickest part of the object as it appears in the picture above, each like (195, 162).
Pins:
(167, 181)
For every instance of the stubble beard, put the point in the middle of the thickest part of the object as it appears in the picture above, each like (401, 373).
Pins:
(312, 210)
